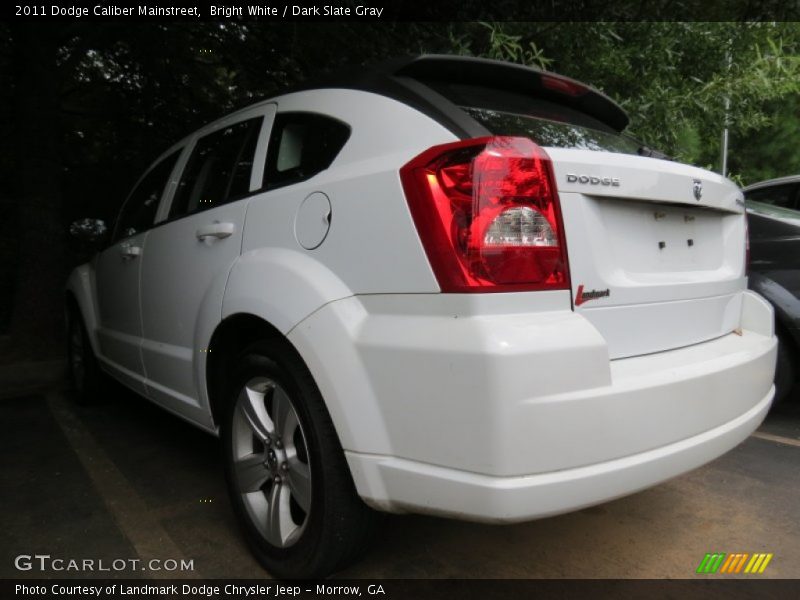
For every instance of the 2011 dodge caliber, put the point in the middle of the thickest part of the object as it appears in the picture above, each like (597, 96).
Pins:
(441, 285)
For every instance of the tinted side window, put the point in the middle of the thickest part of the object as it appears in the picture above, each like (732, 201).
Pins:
(777, 195)
(218, 170)
(139, 212)
(300, 146)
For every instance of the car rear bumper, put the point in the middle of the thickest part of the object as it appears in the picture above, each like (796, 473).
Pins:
(400, 485)
(485, 409)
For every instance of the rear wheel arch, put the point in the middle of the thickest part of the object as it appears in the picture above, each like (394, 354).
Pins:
(230, 338)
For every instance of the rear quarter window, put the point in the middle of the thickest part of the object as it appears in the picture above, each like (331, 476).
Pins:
(302, 145)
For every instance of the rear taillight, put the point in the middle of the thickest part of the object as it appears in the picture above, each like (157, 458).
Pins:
(488, 215)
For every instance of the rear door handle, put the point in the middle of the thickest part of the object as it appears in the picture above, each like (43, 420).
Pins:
(215, 230)
(129, 252)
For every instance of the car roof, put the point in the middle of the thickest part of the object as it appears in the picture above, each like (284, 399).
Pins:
(771, 182)
(404, 79)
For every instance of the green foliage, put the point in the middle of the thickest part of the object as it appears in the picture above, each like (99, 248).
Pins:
(128, 93)
(673, 78)
(773, 150)
(505, 46)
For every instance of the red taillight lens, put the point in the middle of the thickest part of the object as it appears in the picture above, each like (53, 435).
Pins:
(488, 215)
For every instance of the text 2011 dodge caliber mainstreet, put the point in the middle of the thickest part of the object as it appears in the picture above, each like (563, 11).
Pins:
(441, 285)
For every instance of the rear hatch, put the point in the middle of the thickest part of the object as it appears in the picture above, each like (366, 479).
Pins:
(656, 248)
(653, 267)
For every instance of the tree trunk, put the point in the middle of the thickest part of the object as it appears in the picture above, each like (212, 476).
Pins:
(36, 317)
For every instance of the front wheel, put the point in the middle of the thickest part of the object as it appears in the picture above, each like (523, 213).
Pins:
(286, 472)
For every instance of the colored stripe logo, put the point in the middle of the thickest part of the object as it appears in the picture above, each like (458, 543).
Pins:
(737, 562)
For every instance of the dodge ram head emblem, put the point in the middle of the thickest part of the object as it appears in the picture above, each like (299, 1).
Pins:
(698, 189)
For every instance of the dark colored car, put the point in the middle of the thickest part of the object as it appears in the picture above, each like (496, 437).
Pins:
(773, 209)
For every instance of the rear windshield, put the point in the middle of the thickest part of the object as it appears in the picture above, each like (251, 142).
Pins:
(552, 133)
(546, 123)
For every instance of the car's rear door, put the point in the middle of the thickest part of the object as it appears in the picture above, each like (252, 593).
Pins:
(117, 271)
(188, 255)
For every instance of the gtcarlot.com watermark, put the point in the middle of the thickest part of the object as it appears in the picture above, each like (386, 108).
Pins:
(45, 563)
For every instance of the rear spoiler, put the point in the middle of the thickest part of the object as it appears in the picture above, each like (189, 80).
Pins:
(513, 78)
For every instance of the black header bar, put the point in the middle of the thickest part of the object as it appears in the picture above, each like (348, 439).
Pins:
(372, 11)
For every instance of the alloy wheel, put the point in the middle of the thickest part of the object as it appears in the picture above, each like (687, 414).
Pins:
(271, 461)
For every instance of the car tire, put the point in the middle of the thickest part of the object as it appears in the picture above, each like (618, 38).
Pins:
(86, 378)
(286, 471)
(785, 369)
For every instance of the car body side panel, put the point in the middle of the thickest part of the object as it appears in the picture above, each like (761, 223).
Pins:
(182, 288)
(82, 284)
(280, 286)
(182, 284)
(119, 328)
(372, 245)
(192, 405)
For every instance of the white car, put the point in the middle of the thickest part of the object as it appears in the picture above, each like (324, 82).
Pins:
(443, 285)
